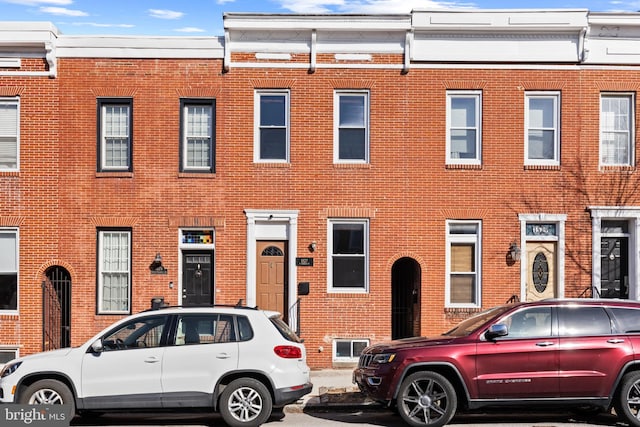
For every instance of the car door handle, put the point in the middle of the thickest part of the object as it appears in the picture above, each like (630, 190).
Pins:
(222, 356)
(615, 340)
(151, 359)
(544, 343)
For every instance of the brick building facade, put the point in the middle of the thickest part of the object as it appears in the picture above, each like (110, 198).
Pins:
(370, 176)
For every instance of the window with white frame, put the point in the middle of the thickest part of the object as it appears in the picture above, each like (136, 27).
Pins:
(9, 269)
(115, 130)
(9, 134)
(464, 132)
(271, 126)
(7, 354)
(348, 263)
(348, 350)
(114, 271)
(351, 127)
(463, 264)
(198, 135)
(542, 119)
(616, 129)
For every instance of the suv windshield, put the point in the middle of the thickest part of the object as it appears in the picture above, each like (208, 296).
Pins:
(284, 329)
(469, 325)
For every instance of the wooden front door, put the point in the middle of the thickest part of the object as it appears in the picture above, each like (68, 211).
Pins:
(541, 270)
(271, 280)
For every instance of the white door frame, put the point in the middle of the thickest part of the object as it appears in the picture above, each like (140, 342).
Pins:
(617, 213)
(272, 225)
(542, 218)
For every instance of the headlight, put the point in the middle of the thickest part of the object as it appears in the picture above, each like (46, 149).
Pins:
(9, 369)
(383, 358)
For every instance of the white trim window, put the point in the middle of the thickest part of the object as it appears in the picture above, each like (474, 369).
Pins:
(542, 121)
(9, 134)
(351, 127)
(348, 350)
(197, 142)
(348, 263)
(616, 129)
(115, 130)
(9, 244)
(271, 133)
(463, 281)
(464, 127)
(114, 271)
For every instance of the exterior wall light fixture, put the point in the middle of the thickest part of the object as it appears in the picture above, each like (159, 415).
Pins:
(312, 246)
(514, 251)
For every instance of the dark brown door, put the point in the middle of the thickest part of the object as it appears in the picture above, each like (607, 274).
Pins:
(197, 278)
(271, 280)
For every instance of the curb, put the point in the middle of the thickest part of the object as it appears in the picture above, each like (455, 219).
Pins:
(334, 399)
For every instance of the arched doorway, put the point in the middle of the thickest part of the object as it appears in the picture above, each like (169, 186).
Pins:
(405, 298)
(56, 308)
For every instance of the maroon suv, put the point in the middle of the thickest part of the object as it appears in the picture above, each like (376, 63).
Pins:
(583, 353)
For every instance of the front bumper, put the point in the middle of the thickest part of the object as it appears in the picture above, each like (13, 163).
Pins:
(6, 392)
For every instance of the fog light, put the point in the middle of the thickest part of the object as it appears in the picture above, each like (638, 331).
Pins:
(374, 381)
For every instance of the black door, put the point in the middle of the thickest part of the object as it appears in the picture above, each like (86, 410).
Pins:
(197, 278)
(614, 267)
(405, 298)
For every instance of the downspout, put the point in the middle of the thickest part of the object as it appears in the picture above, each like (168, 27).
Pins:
(226, 61)
(408, 41)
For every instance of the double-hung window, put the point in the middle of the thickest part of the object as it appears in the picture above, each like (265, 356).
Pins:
(197, 145)
(542, 138)
(348, 268)
(351, 127)
(114, 271)
(9, 134)
(9, 269)
(616, 129)
(271, 126)
(463, 264)
(464, 130)
(115, 134)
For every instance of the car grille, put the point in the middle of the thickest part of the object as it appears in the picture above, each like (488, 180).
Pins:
(365, 360)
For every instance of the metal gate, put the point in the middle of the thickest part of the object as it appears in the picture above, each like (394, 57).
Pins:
(56, 309)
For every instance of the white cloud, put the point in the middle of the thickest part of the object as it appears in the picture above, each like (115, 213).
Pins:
(165, 14)
(39, 2)
(221, 2)
(367, 6)
(190, 30)
(98, 25)
(63, 11)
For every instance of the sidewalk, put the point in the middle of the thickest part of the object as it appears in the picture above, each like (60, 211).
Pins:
(332, 388)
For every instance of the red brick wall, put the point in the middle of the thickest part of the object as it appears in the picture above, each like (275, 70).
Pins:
(406, 191)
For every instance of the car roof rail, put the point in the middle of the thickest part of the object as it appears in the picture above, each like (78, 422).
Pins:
(239, 304)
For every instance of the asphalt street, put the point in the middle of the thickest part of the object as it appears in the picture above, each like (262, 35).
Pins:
(357, 418)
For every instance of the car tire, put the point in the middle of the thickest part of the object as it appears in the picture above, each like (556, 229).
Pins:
(628, 404)
(48, 392)
(426, 399)
(245, 402)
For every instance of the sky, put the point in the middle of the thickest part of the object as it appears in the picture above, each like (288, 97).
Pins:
(204, 17)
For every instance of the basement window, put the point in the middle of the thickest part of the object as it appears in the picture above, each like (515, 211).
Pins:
(348, 350)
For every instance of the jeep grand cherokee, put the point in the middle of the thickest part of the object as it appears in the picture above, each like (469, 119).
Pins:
(583, 353)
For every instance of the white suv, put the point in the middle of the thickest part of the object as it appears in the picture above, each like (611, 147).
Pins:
(238, 361)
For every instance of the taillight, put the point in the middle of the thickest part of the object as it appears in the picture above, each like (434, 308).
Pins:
(288, 351)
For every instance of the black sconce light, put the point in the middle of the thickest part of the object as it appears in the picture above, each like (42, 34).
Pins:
(514, 251)
(156, 266)
(312, 246)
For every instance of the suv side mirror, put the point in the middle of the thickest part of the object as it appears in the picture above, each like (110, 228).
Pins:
(97, 347)
(496, 331)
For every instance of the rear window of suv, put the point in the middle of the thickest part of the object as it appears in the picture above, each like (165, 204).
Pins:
(627, 319)
(583, 321)
(284, 329)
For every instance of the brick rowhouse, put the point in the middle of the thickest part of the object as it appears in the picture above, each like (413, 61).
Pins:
(405, 237)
